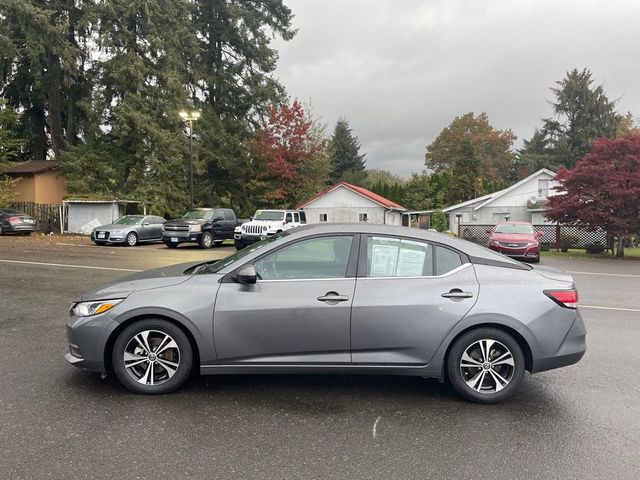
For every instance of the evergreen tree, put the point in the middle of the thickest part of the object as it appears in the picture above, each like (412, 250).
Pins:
(583, 113)
(347, 162)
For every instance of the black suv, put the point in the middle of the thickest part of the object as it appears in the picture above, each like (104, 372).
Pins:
(205, 226)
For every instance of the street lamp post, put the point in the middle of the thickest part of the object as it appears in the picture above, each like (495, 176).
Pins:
(190, 117)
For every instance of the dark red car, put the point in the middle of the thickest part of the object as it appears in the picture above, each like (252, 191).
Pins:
(516, 239)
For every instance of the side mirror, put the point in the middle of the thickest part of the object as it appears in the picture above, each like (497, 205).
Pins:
(218, 219)
(488, 230)
(247, 275)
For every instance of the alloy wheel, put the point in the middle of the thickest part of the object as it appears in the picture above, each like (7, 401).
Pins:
(151, 357)
(487, 366)
(132, 239)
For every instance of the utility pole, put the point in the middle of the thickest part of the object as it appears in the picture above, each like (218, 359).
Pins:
(190, 117)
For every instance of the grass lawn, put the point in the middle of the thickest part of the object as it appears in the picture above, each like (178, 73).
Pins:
(629, 253)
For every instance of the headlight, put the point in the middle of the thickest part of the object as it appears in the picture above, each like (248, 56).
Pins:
(264, 229)
(533, 244)
(116, 232)
(86, 309)
(494, 243)
(195, 228)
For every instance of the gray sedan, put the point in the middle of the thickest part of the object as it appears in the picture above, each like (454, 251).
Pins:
(130, 230)
(360, 299)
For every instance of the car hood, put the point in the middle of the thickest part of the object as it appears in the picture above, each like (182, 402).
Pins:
(181, 221)
(156, 278)
(513, 237)
(113, 226)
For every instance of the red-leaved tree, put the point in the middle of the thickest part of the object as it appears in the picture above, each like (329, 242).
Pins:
(602, 190)
(292, 156)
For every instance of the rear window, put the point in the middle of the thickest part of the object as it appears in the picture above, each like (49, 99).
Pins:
(446, 260)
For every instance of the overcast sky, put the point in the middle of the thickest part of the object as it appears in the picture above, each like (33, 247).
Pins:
(401, 70)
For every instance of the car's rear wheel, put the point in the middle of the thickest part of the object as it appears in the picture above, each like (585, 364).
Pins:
(485, 365)
(152, 357)
(132, 239)
(206, 241)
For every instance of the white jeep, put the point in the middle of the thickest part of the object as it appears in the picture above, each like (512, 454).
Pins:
(266, 223)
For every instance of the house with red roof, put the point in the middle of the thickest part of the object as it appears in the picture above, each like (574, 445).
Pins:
(347, 203)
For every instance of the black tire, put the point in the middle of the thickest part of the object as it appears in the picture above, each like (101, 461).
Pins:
(218, 243)
(1, 232)
(171, 245)
(513, 373)
(131, 239)
(535, 260)
(159, 327)
(206, 240)
(238, 244)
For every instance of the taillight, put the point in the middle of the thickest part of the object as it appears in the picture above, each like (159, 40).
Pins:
(13, 219)
(564, 298)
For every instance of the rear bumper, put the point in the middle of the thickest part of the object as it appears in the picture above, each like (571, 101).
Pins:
(22, 227)
(570, 351)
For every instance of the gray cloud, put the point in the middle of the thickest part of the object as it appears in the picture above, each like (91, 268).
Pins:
(400, 71)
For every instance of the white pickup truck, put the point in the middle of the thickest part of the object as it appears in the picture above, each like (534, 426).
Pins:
(266, 223)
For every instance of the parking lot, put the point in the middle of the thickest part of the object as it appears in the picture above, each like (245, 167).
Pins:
(58, 422)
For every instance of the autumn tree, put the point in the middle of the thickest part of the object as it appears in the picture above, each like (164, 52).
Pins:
(347, 163)
(602, 190)
(491, 147)
(290, 153)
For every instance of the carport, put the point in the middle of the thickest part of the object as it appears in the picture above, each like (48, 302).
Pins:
(82, 216)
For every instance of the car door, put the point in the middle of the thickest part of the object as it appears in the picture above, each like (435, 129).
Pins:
(299, 309)
(409, 295)
(155, 227)
(217, 224)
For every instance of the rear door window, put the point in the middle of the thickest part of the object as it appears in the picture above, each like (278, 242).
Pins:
(446, 260)
(395, 257)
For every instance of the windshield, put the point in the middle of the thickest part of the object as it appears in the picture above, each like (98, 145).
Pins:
(225, 262)
(129, 220)
(269, 215)
(197, 214)
(514, 228)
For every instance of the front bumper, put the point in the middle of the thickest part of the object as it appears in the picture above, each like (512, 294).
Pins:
(522, 253)
(181, 237)
(251, 239)
(118, 238)
(87, 339)
(570, 351)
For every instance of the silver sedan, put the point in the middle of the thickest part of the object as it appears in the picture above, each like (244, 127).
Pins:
(360, 299)
(130, 230)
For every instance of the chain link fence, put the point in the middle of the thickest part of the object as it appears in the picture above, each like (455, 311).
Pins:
(553, 236)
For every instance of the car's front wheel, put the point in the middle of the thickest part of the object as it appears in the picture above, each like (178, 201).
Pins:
(206, 241)
(152, 357)
(486, 365)
(132, 239)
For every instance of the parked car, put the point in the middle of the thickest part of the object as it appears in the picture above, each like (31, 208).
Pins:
(207, 227)
(335, 299)
(12, 221)
(130, 230)
(517, 240)
(266, 223)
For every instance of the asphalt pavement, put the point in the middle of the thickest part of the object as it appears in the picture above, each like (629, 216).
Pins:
(58, 422)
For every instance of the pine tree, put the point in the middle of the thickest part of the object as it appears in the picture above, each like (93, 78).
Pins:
(347, 162)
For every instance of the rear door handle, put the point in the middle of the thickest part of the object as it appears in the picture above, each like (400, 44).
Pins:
(457, 293)
(333, 298)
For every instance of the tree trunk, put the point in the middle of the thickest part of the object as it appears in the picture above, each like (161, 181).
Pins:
(620, 252)
(55, 107)
(38, 122)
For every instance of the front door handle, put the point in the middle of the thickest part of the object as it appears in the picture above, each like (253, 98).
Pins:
(456, 293)
(332, 298)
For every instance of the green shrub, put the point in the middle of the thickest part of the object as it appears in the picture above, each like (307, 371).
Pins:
(595, 247)
(568, 240)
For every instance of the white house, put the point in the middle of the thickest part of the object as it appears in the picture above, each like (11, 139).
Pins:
(523, 202)
(346, 203)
